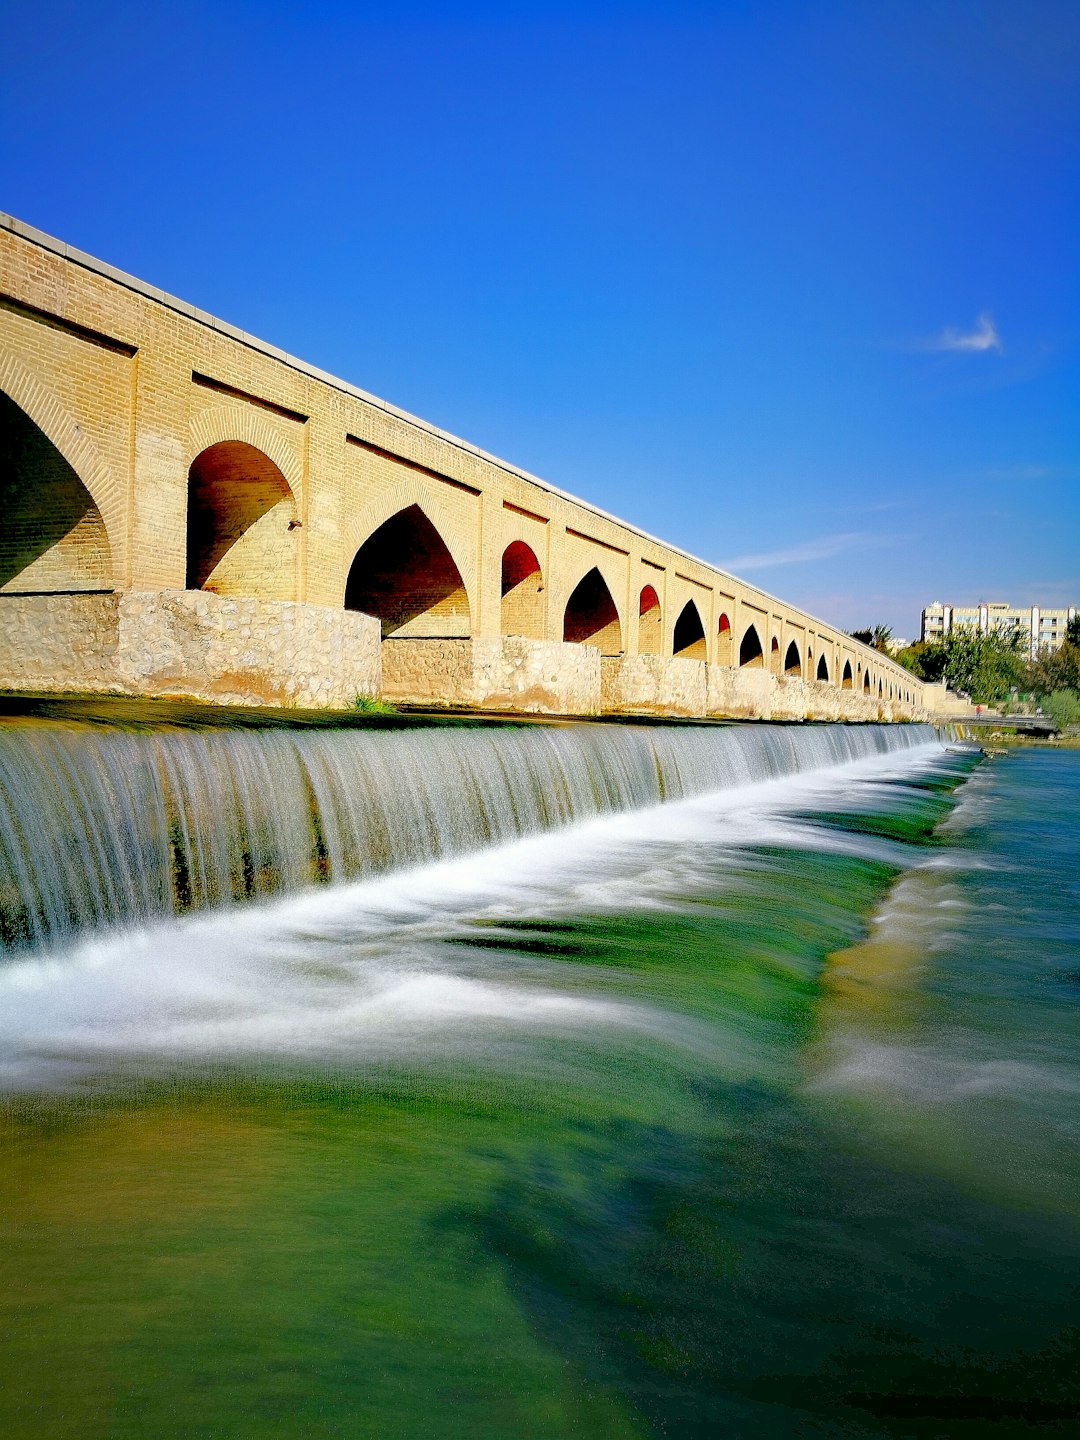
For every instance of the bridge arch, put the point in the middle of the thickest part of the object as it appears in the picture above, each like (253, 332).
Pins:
(751, 655)
(774, 655)
(591, 616)
(846, 677)
(242, 524)
(723, 640)
(688, 640)
(405, 576)
(452, 519)
(822, 668)
(650, 622)
(792, 660)
(53, 537)
(522, 606)
(65, 514)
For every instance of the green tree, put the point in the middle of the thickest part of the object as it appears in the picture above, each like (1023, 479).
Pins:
(985, 667)
(1063, 707)
(876, 636)
(1056, 670)
(1072, 631)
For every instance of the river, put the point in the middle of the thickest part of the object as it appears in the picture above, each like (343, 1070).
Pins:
(562, 1111)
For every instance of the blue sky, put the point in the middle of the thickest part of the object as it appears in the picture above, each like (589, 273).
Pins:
(795, 286)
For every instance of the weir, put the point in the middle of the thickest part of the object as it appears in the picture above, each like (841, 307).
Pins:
(101, 826)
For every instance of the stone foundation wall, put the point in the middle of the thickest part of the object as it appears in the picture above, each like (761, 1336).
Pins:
(236, 651)
(509, 673)
(653, 685)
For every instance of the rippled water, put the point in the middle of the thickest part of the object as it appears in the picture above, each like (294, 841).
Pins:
(753, 1114)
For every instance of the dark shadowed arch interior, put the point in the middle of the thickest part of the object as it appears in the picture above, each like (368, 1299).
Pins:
(866, 682)
(689, 640)
(53, 536)
(404, 575)
(723, 641)
(792, 660)
(822, 668)
(880, 689)
(751, 654)
(592, 617)
(845, 681)
(241, 531)
(522, 592)
(650, 623)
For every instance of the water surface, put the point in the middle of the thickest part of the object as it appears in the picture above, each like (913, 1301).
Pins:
(751, 1114)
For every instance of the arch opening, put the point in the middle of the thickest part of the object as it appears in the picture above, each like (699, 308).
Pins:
(592, 617)
(792, 660)
(774, 655)
(53, 538)
(650, 623)
(405, 576)
(689, 639)
(242, 536)
(822, 668)
(866, 683)
(751, 655)
(723, 641)
(522, 592)
(846, 678)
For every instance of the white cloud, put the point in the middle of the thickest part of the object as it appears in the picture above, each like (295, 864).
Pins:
(983, 337)
(822, 549)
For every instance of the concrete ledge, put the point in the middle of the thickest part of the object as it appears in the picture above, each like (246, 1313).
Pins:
(236, 651)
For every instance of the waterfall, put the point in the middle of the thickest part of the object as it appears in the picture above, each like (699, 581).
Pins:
(99, 826)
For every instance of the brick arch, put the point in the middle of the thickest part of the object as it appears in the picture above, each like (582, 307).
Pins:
(248, 426)
(108, 492)
(522, 607)
(389, 502)
(591, 615)
(614, 576)
(688, 637)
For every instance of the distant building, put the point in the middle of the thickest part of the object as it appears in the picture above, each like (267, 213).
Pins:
(1040, 628)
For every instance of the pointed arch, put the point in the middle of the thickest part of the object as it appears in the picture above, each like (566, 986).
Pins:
(448, 515)
(591, 616)
(792, 660)
(405, 575)
(650, 622)
(846, 678)
(751, 655)
(866, 682)
(688, 641)
(247, 426)
(65, 513)
(53, 537)
(774, 655)
(241, 524)
(822, 668)
(723, 640)
(522, 607)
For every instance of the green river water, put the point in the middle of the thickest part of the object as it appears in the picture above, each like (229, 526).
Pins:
(754, 1114)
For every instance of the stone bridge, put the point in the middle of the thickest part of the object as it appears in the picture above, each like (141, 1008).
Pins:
(188, 510)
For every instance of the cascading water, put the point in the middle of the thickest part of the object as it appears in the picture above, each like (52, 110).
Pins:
(103, 826)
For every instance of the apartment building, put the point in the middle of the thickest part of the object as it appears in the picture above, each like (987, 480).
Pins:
(1042, 628)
